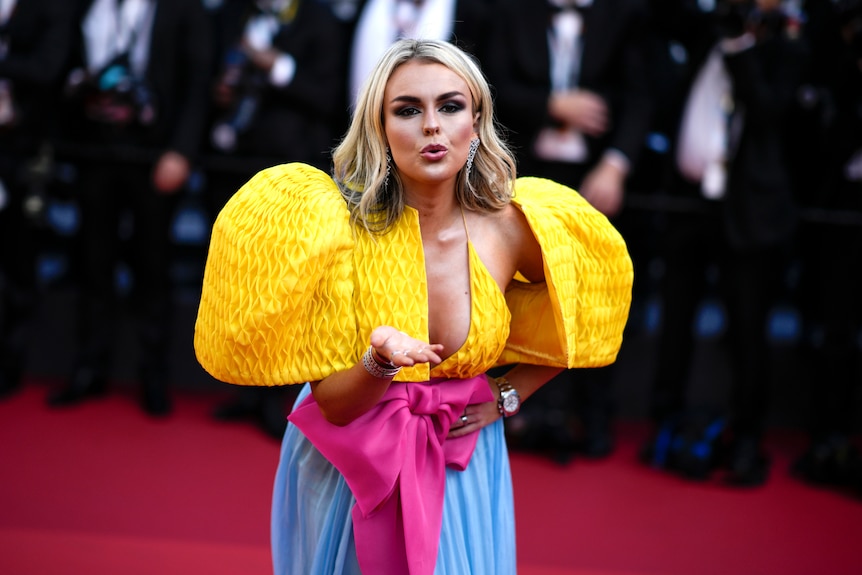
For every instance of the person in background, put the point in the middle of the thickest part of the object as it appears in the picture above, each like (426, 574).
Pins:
(35, 41)
(570, 79)
(745, 61)
(276, 99)
(831, 278)
(138, 102)
(381, 22)
(391, 289)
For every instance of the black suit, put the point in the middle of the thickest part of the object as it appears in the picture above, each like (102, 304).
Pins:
(470, 27)
(299, 121)
(612, 65)
(38, 35)
(179, 72)
(116, 166)
(748, 233)
(470, 31)
(831, 277)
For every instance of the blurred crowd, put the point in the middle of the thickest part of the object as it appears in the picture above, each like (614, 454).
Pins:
(722, 137)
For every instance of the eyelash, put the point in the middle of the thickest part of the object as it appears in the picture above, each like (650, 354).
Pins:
(413, 110)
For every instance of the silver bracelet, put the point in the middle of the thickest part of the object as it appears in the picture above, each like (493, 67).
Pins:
(377, 369)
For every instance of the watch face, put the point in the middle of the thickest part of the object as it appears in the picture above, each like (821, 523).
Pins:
(510, 403)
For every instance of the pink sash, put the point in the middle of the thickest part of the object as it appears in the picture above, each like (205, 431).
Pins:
(394, 460)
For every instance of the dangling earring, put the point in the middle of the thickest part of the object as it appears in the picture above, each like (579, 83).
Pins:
(388, 169)
(474, 146)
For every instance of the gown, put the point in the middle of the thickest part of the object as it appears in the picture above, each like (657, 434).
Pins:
(291, 294)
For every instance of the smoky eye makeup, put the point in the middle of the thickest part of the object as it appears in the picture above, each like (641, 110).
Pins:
(452, 107)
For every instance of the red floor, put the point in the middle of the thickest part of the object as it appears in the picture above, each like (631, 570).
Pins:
(101, 489)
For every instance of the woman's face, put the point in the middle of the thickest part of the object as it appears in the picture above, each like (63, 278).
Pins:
(429, 122)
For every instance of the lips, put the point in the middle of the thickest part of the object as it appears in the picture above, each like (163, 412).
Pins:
(433, 151)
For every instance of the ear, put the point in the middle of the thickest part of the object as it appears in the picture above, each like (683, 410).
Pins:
(476, 123)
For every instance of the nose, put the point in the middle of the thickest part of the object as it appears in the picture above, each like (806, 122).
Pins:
(431, 125)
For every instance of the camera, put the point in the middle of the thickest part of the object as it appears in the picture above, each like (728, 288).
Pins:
(115, 95)
(239, 89)
(735, 17)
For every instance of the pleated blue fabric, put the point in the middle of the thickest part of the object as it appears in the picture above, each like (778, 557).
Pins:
(312, 531)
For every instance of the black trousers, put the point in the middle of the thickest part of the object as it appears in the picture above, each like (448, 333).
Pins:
(832, 302)
(123, 218)
(19, 244)
(749, 281)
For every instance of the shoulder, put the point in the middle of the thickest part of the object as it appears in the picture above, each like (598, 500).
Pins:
(505, 223)
(295, 202)
(280, 242)
(295, 184)
(564, 223)
(506, 244)
(541, 195)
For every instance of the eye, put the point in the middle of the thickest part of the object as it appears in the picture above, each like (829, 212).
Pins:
(451, 107)
(407, 111)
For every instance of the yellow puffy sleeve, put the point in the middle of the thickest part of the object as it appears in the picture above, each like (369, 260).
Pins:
(576, 318)
(276, 302)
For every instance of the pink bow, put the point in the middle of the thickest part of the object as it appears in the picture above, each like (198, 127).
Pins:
(394, 460)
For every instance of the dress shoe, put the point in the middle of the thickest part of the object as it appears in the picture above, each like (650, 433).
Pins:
(656, 451)
(84, 384)
(747, 464)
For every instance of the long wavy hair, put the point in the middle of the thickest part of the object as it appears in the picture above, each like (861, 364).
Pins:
(360, 161)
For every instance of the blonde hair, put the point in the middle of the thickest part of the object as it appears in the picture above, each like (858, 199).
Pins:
(361, 163)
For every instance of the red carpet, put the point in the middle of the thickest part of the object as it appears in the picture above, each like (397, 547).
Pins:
(101, 489)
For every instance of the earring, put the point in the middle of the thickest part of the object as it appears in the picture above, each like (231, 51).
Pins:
(388, 169)
(474, 146)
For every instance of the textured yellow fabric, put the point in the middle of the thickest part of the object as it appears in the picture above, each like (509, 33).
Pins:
(281, 253)
(292, 291)
(575, 319)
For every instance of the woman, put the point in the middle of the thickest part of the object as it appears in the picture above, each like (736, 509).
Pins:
(392, 292)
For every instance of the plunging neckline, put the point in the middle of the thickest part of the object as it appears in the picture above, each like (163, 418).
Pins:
(475, 267)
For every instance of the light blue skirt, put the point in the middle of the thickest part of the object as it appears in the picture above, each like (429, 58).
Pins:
(312, 531)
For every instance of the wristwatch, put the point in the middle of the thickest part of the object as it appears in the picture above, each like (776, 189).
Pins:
(509, 402)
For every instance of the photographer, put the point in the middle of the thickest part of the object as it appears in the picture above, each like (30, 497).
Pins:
(35, 37)
(277, 92)
(742, 71)
(831, 250)
(137, 101)
(277, 98)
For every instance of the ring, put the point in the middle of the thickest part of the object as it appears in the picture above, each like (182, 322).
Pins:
(394, 353)
(464, 419)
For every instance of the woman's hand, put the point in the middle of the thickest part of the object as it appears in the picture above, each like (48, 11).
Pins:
(400, 349)
(475, 417)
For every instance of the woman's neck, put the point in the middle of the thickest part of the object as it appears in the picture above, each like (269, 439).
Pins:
(438, 212)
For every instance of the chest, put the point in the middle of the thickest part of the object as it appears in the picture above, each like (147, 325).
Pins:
(440, 293)
(447, 272)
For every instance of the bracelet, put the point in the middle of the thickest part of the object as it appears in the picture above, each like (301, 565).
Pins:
(376, 368)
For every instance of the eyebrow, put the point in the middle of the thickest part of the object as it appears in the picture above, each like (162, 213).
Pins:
(413, 99)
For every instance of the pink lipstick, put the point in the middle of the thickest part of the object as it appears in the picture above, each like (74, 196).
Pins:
(433, 152)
